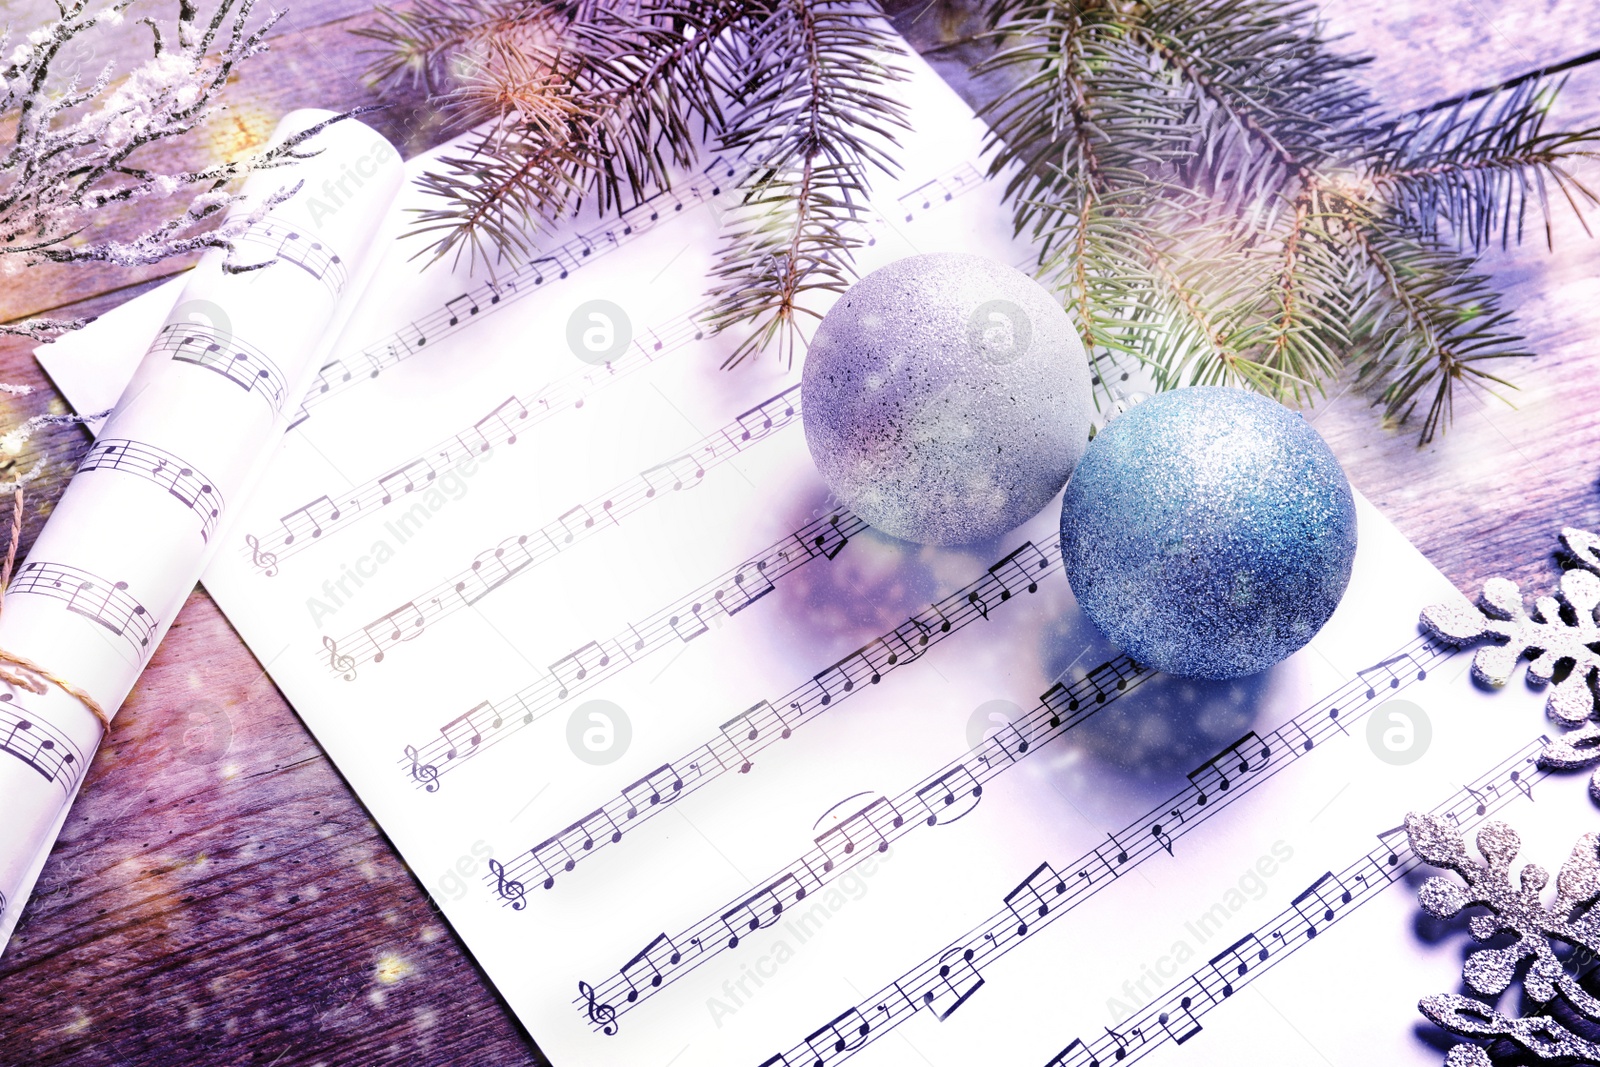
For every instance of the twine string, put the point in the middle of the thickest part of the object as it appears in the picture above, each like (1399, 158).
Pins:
(21, 671)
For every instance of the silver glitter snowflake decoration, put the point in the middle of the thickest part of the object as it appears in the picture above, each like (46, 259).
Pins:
(1561, 634)
(1517, 910)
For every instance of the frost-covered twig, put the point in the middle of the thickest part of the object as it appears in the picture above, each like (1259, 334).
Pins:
(75, 148)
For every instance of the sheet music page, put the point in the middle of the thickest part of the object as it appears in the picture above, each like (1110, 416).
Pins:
(196, 413)
(705, 771)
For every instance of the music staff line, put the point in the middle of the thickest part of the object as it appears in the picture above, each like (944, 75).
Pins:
(734, 748)
(1175, 1015)
(48, 751)
(681, 622)
(567, 392)
(281, 241)
(520, 553)
(190, 487)
(939, 799)
(1215, 784)
(107, 603)
(220, 352)
(349, 371)
(720, 175)
(946, 980)
(313, 523)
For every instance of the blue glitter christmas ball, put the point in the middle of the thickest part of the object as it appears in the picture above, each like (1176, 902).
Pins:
(946, 398)
(1208, 532)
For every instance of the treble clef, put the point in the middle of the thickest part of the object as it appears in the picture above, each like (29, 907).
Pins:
(345, 665)
(265, 560)
(423, 773)
(509, 888)
(602, 1015)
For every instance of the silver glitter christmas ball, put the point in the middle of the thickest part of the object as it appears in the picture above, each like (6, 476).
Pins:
(1208, 532)
(946, 398)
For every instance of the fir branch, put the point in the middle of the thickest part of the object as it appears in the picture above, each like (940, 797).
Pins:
(606, 101)
(813, 113)
(1474, 171)
(580, 99)
(1428, 321)
(1278, 228)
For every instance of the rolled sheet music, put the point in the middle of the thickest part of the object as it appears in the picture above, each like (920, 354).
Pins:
(181, 449)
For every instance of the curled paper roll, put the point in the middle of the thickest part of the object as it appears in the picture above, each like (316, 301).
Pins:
(180, 451)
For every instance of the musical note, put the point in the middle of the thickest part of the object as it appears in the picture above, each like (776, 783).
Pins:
(1306, 743)
(1328, 892)
(871, 826)
(1172, 1015)
(1516, 780)
(688, 625)
(762, 908)
(924, 195)
(956, 980)
(452, 307)
(385, 483)
(180, 480)
(743, 730)
(572, 520)
(1395, 842)
(827, 541)
(1076, 1054)
(1387, 667)
(649, 961)
(750, 584)
(1223, 770)
(660, 786)
(1086, 872)
(307, 516)
(908, 640)
(676, 473)
(575, 666)
(1235, 961)
(1019, 570)
(501, 417)
(1178, 1022)
(492, 569)
(538, 274)
(26, 746)
(760, 420)
(404, 623)
(303, 251)
(581, 250)
(466, 725)
(845, 1032)
(1120, 1041)
(1033, 897)
(1122, 853)
(947, 796)
(48, 752)
(329, 374)
(107, 604)
(219, 351)
(552, 857)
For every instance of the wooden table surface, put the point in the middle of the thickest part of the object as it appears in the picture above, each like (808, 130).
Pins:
(220, 896)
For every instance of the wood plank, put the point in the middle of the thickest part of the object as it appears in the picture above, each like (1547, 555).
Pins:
(214, 903)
